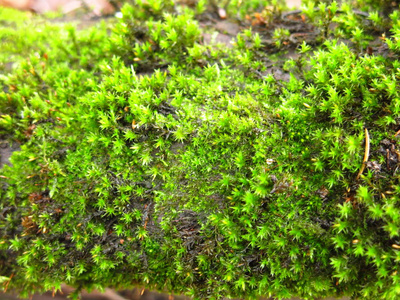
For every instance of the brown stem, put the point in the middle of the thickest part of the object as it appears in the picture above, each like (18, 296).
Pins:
(366, 154)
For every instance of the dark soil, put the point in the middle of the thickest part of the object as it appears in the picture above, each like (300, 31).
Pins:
(6, 149)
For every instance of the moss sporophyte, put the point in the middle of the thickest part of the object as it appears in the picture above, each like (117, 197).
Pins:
(241, 157)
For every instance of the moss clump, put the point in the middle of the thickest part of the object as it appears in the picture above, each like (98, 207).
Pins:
(149, 157)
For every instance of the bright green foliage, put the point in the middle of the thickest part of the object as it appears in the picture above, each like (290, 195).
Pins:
(149, 157)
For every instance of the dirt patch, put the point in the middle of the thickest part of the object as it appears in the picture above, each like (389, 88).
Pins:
(6, 149)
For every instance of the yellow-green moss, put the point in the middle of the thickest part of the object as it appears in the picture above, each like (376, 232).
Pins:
(149, 157)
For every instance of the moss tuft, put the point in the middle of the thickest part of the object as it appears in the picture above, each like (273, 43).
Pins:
(151, 155)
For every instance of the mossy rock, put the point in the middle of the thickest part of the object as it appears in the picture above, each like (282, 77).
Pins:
(150, 157)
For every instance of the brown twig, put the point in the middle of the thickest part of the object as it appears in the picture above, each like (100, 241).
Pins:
(8, 282)
(387, 159)
(299, 11)
(366, 154)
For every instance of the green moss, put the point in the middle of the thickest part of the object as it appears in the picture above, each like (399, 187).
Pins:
(149, 157)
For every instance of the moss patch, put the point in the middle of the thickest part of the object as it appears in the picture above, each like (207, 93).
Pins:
(152, 157)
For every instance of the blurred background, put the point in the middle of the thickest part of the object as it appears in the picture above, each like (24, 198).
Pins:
(97, 7)
(65, 6)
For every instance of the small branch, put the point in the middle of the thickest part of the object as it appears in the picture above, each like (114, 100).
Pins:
(299, 11)
(8, 282)
(387, 159)
(366, 154)
(290, 13)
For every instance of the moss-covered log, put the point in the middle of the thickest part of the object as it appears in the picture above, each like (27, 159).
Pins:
(152, 154)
